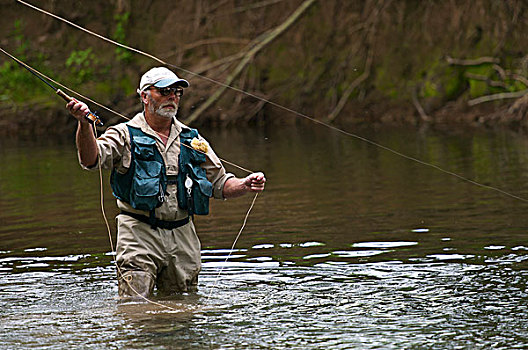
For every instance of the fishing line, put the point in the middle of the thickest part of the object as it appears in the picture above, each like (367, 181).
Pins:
(232, 247)
(299, 114)
(114, 253)
(43, 77)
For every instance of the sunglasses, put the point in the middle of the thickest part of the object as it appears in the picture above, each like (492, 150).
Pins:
(166, 91)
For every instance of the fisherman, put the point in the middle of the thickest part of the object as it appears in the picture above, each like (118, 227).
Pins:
(163, 173)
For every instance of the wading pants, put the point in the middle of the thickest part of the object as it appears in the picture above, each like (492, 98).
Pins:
(149, 257)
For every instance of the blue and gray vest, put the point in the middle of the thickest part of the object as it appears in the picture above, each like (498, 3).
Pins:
(144, 185)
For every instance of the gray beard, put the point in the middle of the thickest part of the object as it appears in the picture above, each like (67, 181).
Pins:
(167, 113)
(164, 113)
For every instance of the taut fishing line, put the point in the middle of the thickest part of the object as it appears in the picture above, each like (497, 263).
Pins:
(299, 114)
(103, 212)
(42, 77)
(95, 121)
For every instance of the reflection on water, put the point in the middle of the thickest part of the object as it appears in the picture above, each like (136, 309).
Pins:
(349, 247)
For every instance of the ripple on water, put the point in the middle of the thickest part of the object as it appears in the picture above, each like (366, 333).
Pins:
(338, 306)
(265, 305)
(396, 244)
(259, 302)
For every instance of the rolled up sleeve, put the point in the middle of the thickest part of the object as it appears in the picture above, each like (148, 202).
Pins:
(216, 173)
(113, 150)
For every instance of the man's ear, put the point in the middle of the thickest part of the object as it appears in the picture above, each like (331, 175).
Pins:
(144, 97)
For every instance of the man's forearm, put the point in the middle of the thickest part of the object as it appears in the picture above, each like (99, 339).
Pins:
(235, 187)
(86, 144)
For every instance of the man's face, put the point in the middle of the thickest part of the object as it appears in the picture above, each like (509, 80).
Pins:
(163, 106)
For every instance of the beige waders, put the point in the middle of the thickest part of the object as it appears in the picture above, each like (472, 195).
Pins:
(147, 257)
(168, 259)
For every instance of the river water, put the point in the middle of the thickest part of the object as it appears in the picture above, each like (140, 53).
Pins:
(350, 247)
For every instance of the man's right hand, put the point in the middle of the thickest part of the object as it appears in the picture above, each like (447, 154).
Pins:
(85, 138)
(78, 110)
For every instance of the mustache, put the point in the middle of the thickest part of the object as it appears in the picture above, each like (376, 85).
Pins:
(169, 104)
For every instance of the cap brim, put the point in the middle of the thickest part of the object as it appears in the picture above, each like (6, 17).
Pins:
(171, 81)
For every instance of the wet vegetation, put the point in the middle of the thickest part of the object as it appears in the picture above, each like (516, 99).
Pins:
(371, 61)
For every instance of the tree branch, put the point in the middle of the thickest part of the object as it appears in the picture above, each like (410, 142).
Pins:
(471, 62)
(372, 21)
(210, 41)
(489, 81)
(346, 94)
(425, 117)
(259, 45)
(220, 62)
(495, 97)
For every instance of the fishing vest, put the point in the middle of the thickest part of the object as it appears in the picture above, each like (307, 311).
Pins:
(144, 185)
(194, 190)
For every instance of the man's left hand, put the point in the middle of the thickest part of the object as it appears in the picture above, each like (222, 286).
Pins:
(255, 182)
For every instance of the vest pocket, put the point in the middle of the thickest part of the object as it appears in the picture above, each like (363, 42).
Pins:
(146, 184)
(201, 194)
(144, 147)
(202, 190)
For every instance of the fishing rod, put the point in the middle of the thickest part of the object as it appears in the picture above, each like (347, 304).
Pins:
(91, 116)
(294, 112)
(40, 74)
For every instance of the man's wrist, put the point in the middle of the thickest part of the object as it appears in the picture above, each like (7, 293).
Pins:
(84, 123)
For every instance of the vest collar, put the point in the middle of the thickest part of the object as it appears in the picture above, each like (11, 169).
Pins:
(140, 122)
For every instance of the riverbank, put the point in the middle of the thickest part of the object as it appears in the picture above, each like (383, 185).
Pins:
(36, 121)
(342, 62)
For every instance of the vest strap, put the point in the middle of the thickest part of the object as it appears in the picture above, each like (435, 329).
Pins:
(172, 179)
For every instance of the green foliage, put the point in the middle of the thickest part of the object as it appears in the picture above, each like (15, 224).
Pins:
(440, 81)
(23, 43)
(122, 54)
(383, 82)
(16, 83)
(478, 87)
(430, 89)
(81, 63)
(453, 83)
(127, 86)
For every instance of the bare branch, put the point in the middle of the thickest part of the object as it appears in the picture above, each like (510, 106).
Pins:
(495, 97)
(372, 21)
(259, 45)
(471, 62)
(500, 71)
(425, 117)
(211, 41)
(252, 112)
(219, 62)
(520, 78)
(344, 98)
(485, 78)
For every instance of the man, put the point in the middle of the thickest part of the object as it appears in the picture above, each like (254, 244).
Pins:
(162, 173)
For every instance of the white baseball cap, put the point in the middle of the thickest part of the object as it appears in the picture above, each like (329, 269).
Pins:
(160, 77)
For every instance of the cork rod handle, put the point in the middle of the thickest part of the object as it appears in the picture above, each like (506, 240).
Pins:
(63, 95)
(90, 116)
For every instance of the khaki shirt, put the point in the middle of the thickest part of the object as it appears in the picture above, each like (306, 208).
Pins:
(114, 149)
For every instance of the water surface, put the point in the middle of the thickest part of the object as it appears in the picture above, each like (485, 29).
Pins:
(350, 246)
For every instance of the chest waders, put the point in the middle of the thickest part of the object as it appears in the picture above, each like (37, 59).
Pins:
(144, 185)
